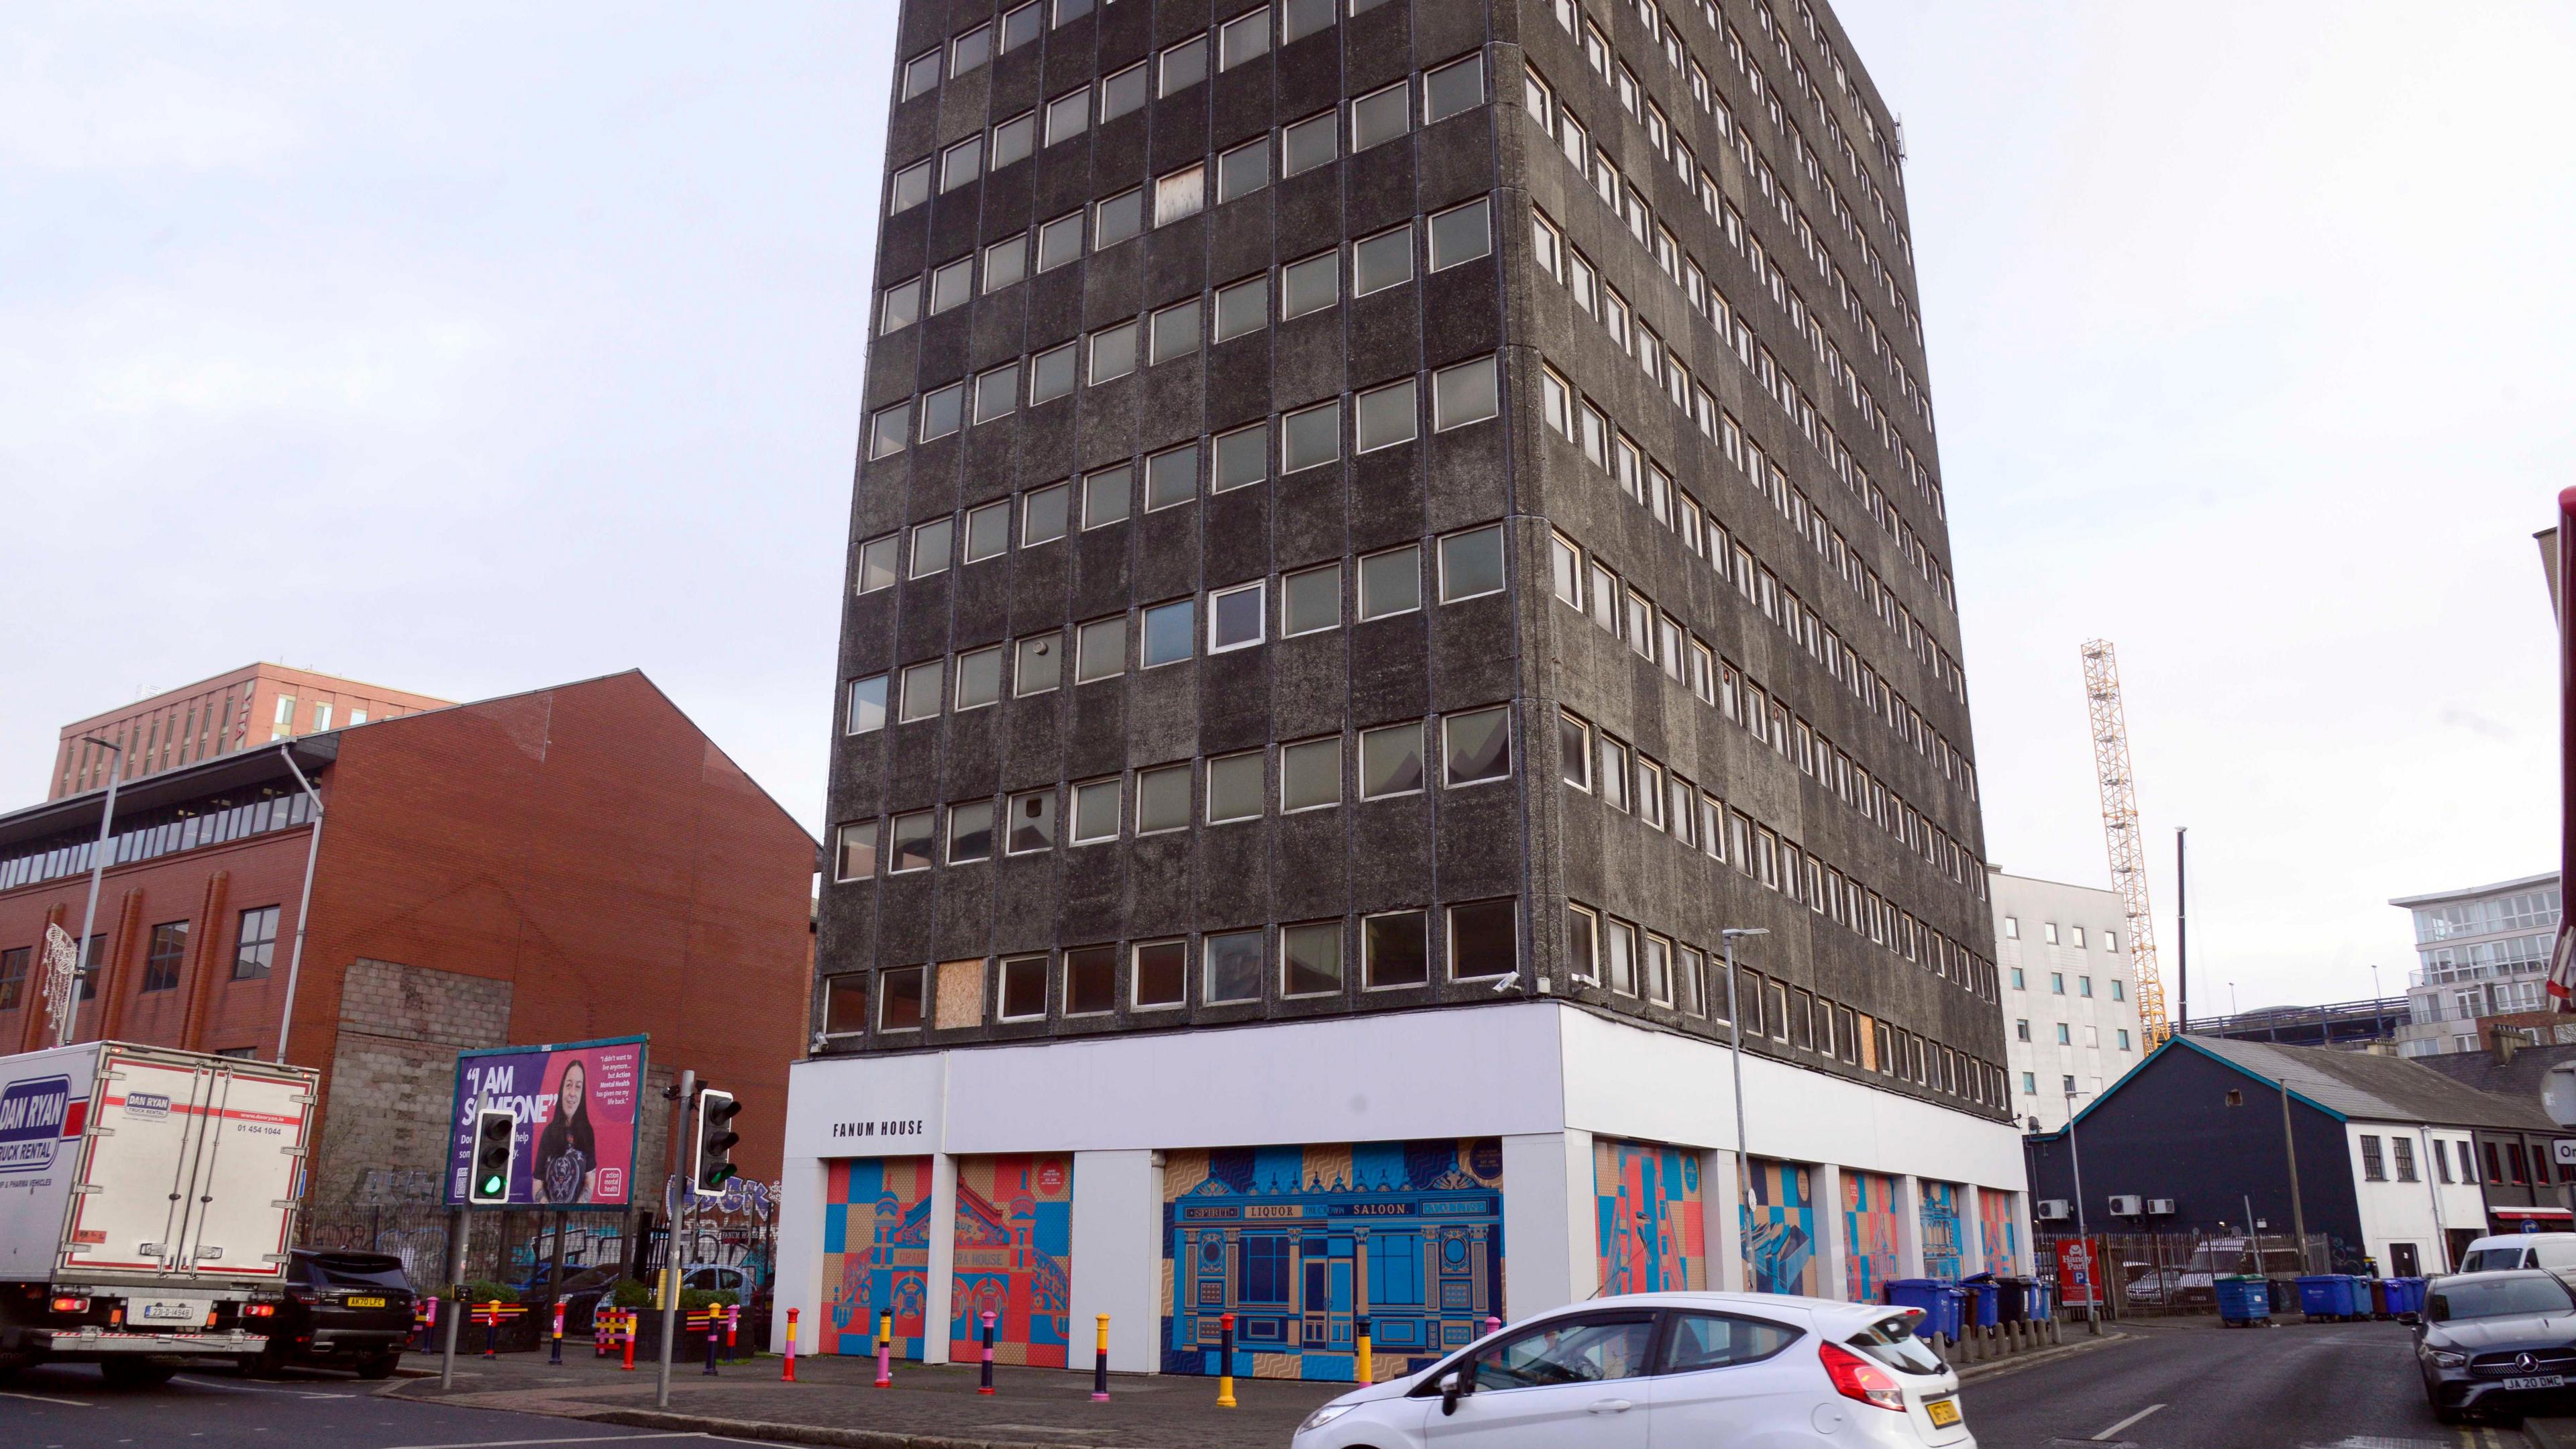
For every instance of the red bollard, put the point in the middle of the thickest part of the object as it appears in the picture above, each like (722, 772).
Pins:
(558, 1353)
(987, 1386)
(790, 1375)
(629, 1365)
(492, 1328)
(733, 1320)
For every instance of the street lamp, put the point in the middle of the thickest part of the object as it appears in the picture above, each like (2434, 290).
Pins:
(97, 868)
(2083, 1234)
(1735, 1054)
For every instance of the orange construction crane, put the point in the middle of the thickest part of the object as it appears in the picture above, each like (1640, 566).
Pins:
(2120, 830)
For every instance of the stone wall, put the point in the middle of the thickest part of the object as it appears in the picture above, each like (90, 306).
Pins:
(393, 1075)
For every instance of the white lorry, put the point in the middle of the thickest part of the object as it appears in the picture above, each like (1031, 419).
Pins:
(147, 1204)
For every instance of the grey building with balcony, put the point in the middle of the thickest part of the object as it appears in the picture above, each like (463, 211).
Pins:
(1384, 532)
(2482, 957)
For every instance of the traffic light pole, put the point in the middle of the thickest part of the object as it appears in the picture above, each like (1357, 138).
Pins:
(458, 1227)
(672, 1205)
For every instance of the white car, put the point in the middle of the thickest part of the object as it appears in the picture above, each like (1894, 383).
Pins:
(1746, 1370)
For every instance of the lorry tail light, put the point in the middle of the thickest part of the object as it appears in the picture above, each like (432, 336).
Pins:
(66, 1303)
(260, 1310)
(1857, 1378)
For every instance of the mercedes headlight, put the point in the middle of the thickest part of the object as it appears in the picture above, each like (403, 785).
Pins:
(2444, 1358)
(1323, 1416)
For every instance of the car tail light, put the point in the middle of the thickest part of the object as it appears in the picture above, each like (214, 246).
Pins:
(69, 1304)
(303, 1295)
(259, 1310)
(1857, 1378)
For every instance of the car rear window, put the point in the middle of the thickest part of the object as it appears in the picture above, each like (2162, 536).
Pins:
(361, 1271)
(2490, 1260)
(1891, 1341)
(2497, 1298)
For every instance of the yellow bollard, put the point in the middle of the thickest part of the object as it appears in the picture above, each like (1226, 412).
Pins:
(1366, 1369)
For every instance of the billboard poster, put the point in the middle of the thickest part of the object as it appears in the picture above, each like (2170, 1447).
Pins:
(579, 1106)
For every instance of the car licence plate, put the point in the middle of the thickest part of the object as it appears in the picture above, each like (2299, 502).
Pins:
(179, 1312)
(1944, 1412)
(2538, 1381)
(364, 1302)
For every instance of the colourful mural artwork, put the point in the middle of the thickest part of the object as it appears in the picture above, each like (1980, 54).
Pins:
(2001, 1227)
(1872, 1214)
(1014, 1256)
(876, 1252)
(1780, 1229)
(1942, 1243)
(1297, 1242)
(1651, 1235)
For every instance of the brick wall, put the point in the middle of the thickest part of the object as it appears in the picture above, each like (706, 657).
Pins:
(592, 849)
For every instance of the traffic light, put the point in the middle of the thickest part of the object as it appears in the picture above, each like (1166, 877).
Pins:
(496, 1143)
(712, 1165)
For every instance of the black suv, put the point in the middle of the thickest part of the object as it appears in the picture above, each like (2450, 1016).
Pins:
(347, 1308)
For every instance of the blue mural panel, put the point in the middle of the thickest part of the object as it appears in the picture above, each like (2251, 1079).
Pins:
(1300, 1242)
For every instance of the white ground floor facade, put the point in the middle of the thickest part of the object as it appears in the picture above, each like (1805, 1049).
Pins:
(1306, 1176)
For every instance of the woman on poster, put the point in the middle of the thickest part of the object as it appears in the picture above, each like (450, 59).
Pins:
(568, 1151)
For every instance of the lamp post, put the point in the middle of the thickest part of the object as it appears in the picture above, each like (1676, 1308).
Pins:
(2378, 1010)
(2084, 1235)
(97, 868)
(1735, 1056)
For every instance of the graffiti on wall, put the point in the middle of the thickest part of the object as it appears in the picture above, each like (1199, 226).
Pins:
(1872, 1218)
(1942, 1243)
(876, 1252)
(1652, 1237)
(2001, 1230)
(1780, 1229)
(1014, 1256)
(1298, 1242)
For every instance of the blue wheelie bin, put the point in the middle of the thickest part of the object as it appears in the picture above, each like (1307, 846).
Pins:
(2326, 1296)
(2405, 1295)
(2243, 1300)
(1938, 1300)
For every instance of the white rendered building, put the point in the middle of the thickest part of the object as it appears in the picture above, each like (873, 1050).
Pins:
(2070, 999)
(1149, 1173)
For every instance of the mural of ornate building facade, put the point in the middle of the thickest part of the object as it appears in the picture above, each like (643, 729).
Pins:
(1298, 1243)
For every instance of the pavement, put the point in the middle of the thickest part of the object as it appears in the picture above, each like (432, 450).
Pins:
(930, 1406)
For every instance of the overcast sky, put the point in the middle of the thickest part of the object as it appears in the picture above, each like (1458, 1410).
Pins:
(470, 349)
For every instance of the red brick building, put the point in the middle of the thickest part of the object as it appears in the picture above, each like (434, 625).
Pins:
(568, 863)
(242, 710)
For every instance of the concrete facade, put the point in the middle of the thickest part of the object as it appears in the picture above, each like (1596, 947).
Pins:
(2070, 996)
(1847, 827)
(1380, 529)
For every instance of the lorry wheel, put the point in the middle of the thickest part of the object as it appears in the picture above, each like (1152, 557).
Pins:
(129, 1374)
